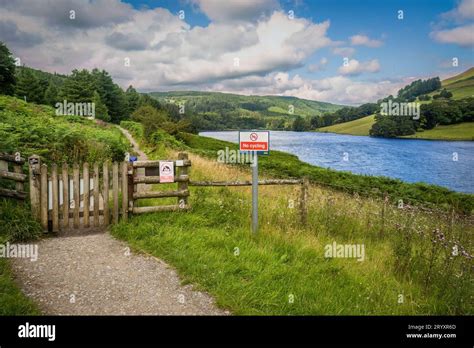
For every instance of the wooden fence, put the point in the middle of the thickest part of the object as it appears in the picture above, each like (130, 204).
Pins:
(11, 170)
(81, 196)
(303, 182)
(151, 176)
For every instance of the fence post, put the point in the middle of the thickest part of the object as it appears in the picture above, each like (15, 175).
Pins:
(34, 165)
(96, 194)
(85, 195)
(124, 191)
(105, 193)
(44, 197)
(115, 189)
(131, 172)
(77, 195)
(55, 197)
(65, 179)
(303, 202)
(183, 185)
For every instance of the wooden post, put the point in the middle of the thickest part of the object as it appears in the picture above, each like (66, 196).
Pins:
(96, 194)
(105, 192)
(55, 197)
(303, 201)
(124, 191)
(44, 197)
(77, 194)
(85, 195)
(183, 201)
(132, 188)
(34, 164)
(115, 189)
(65, 178)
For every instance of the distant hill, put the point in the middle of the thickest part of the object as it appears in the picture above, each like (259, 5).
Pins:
(247, 105)
(461, 85)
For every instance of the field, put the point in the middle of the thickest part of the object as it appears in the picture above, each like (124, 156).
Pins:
(283, 270)
(461, 131)
(360, 126)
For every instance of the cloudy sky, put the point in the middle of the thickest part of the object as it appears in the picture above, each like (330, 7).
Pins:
(344, 51)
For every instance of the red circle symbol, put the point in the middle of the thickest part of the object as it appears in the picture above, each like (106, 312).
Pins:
(253, 136)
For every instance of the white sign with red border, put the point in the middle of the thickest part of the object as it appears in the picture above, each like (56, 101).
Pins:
(166, 171)
(254, 141)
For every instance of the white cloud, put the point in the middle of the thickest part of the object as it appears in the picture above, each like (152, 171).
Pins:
(236, 10)
(462, 36)
(344, 51)
(462, 33)
(354, 67)
(363, 40)
(319, 66)
(336, 89)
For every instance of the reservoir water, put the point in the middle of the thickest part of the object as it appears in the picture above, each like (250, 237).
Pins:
(445, 163)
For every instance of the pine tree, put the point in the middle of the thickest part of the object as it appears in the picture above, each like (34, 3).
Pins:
(133, 98)
(101, 112)
(28, 86)
(51, 94)
(7, 71)
(78, 88)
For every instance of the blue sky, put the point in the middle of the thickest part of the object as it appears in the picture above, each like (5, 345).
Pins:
(343, 51)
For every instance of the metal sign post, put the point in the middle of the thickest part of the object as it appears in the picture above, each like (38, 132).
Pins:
(255, 193)
(256, 142)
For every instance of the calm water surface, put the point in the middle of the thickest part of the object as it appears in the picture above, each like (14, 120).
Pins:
(409, 160)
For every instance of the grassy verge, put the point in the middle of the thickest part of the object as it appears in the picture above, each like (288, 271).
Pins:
(283, 270)
(17, 226)
(461, 131)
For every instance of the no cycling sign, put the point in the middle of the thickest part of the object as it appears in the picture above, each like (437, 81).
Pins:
(254, 141)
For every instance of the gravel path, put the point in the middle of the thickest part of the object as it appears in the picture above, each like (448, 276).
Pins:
(95, 274)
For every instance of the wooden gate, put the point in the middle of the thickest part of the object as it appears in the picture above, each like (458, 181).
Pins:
(79, 197)
(151, 176)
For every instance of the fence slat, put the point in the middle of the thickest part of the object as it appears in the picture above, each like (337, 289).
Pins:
(65, 179)
(148, 164)
(124, 191)
(34, 168)
(105, 192)
(19, 170)
(44, 197)
(156, 179)
(96, 194)
(158, 208)
(115, 189)
(86, 197)
(183, 185)
(160, 194)
(247, 183)
(77, 194)
(16, 176)
(55, 197)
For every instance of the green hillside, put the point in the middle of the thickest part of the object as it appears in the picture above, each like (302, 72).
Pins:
(461, 85)
(262, 105)
(360, 126)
